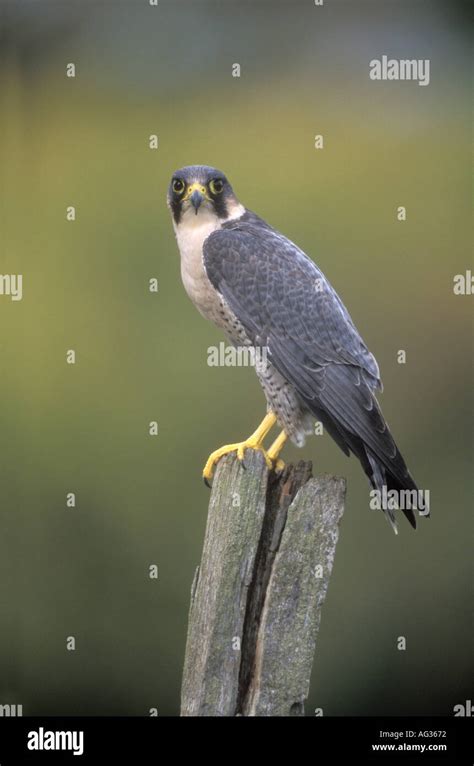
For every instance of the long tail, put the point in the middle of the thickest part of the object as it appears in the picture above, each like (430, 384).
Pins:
(384, 471)
(380, 476)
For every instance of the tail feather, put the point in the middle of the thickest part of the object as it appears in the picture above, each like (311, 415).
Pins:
(382, 471)
(380, 477)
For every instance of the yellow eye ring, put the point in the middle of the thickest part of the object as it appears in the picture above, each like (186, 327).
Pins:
(216, 186)
(178, 186)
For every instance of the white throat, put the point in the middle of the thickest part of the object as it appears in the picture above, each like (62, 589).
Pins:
(191, 233)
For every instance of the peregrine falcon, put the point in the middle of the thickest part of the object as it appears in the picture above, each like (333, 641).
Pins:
(265, 293)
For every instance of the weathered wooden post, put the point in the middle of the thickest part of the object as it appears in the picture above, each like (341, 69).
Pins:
(258, 593)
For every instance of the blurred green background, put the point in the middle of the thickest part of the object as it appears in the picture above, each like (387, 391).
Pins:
(83, 428)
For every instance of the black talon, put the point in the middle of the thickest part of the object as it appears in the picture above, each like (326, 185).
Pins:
(207, 482)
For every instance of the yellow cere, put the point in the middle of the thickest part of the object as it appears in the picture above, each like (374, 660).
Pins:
(196, 187)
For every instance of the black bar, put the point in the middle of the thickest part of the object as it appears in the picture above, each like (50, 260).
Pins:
(161, 740)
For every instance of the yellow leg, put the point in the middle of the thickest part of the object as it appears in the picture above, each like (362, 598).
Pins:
(275, 450)
(253, 442)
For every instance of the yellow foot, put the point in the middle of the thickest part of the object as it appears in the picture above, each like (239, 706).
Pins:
(253, 442)
(238, 447)
(279, 465)
(275, 450)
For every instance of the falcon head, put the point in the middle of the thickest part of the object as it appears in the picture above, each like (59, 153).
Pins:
(196, 189)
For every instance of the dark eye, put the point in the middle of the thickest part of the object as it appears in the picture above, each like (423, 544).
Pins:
(178, 186)
(216, 186)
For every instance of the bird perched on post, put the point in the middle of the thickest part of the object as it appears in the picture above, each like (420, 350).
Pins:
(265, 293)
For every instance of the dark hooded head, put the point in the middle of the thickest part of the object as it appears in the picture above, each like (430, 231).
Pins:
(198, 188)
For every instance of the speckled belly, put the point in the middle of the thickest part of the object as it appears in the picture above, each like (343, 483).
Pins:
(284, 402)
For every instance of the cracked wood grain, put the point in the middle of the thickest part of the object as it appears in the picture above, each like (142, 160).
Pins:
(258, 593)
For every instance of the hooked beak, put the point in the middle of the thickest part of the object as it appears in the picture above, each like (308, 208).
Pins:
(196, 199)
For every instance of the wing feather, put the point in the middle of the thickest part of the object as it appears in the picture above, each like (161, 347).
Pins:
(286, 303)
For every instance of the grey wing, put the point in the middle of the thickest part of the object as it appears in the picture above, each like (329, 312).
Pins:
(279, 294)
(286, 304)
